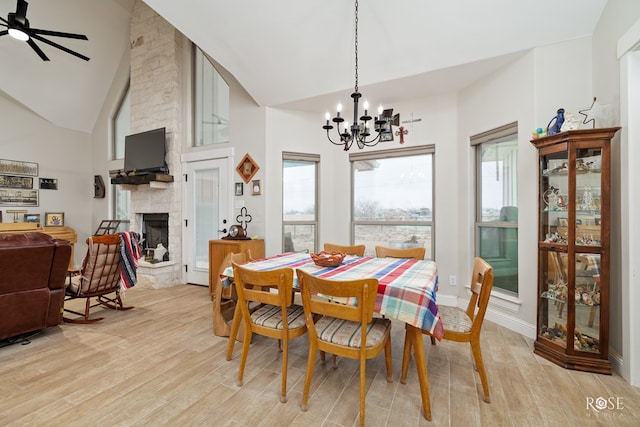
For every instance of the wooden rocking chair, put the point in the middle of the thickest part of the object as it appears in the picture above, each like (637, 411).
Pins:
(99, 277)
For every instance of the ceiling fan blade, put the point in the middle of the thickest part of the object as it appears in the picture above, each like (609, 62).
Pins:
(6, 23)
(39, 51)
(54, 44)
(4, 33)
(58, 34)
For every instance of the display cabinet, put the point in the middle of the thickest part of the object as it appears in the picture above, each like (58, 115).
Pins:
(573, 249)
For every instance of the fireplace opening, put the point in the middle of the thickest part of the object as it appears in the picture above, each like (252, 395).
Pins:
(155, 231)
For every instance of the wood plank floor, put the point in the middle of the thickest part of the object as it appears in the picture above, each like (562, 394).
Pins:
(160, 364)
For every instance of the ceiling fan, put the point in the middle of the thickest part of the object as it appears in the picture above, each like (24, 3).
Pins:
(18, 27)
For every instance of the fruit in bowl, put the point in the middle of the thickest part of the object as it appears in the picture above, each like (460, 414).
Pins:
(328, 259)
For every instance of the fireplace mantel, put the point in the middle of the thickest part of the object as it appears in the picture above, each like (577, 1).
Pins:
(142, 179)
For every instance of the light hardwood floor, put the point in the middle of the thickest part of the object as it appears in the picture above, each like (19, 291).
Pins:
(160, 364)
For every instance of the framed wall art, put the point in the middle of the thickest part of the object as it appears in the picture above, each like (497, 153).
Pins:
(12, 181)
(13, 197)
(48, 183)
(239, 188)
(15, 167)
(247, 168)
(35, 218)
(54, 219)
(256, 187)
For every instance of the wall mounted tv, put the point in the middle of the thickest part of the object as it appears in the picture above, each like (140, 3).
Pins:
(145, 152)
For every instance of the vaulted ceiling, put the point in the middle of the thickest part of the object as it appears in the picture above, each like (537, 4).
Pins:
(291, 53)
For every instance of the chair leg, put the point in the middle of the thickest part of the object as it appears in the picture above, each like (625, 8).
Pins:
(285, 359)
(235, 325)
(363, 384)
(477, 357)
(245, 353)
(311, 362)
(387, 359)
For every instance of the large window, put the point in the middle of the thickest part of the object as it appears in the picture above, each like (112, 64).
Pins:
(299, 202)
(497, 203)
(393, 199)
(211, 102)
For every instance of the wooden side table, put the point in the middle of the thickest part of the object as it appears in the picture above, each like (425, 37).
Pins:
(223, 304)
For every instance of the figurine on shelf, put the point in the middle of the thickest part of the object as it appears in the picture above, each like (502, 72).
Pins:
(555, 124)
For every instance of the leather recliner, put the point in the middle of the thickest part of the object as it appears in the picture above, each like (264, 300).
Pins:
(33, 268)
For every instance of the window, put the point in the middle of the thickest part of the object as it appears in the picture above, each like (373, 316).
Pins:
(392, 201)
(211, 95)
(497, 203)
(299, 202)
(121, 128)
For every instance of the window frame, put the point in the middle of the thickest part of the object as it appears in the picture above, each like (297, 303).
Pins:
(391, 153)
(197, 99)
(310, 158)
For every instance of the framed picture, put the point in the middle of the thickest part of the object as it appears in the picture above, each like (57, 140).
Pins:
(11, 181)
(18, 168)
(256, 187)
(48, 183)
(13, 197)
(35, 218)
(239, 188)
(247, 168)
(54, 219)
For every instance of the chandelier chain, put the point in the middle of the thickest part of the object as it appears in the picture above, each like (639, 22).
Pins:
(356, 45)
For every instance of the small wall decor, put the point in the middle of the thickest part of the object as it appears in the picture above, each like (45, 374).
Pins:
(48, 184)
(16, 213)
(239, 188)
(247, 168)
(256, 187)
(54, 219)
(98, 187)
(35, 218)
(12, 181)
(18, 168)
(13, 197)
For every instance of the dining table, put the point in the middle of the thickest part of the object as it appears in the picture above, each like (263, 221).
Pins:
(406, 292)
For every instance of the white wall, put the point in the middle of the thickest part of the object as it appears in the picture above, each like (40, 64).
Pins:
(617, 19)
(61, 154)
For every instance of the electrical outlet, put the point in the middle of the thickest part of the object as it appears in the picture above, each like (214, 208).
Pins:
(452, 280)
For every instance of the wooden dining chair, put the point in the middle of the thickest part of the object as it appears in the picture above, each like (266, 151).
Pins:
(465, 325)
(415, 253)
(343, 329)
(357, 250)
(276, 316)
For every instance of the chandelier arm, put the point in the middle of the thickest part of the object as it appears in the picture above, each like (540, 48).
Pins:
(331, 140)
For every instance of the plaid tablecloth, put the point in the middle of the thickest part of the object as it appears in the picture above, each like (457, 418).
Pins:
(406, 287)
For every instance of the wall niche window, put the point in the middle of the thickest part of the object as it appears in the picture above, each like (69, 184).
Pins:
(121, 125)
(211, 99)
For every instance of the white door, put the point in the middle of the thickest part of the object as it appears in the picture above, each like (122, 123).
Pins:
(206, 208)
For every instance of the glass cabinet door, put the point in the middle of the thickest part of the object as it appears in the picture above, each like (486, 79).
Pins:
(588, 196)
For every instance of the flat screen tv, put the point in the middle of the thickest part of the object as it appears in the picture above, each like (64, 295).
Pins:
(145, 152)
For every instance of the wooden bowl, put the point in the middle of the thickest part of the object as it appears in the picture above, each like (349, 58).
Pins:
(328, 259)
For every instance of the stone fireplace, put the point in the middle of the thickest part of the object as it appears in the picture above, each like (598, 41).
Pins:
(156, 97)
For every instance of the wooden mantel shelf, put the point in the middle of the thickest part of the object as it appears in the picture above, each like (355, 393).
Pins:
(142, 179)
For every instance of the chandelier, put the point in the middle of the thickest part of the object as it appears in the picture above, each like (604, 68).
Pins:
(358, 132)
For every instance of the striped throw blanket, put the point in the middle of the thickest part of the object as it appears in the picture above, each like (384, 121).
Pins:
(129, 255)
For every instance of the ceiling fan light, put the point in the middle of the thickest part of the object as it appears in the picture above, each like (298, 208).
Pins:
(18, 34)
